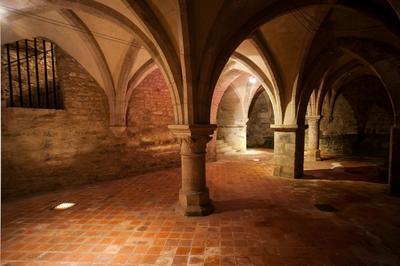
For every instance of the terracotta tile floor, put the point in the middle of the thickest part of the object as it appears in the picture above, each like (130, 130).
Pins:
(259, 220)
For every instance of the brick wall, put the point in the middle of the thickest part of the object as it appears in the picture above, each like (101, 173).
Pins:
(46, 149)
(32, 75)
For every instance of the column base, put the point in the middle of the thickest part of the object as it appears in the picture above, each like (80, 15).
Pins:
(194, 204)
(313, 155)
(118, 131)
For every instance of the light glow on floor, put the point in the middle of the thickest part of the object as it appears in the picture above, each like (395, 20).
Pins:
(253, 152)
(64, 206)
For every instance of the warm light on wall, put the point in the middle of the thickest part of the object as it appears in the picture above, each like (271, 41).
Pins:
(3, 12)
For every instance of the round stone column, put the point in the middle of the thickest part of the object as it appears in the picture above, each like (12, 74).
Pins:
(194, 198)
(313, 152)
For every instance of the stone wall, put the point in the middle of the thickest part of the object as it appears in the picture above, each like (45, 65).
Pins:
(45, 149)
(231, 120)
(261, 116)
(360, 122)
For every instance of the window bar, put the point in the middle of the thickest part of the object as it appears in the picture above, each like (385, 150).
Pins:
(37, 72)
(54, 76)
(10, 76)
(45, 73)
(19, 75)
(28, 73)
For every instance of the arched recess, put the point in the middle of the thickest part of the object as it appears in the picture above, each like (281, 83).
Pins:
(242, 67)
(267, 84)
(241, 62)
(383, 62)
(121, 100)
(94, 59)
(158, 50)
(337, 87)
(260, 118)
(231, 120)
(332, 76)
(270, 85)
(168, 56)
(355, 123)
(232, 113)
(228, 77)
(93, 47)
(143, 72)
(149, 111)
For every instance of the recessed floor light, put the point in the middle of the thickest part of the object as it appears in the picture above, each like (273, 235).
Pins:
(64, 206)
(325, 207)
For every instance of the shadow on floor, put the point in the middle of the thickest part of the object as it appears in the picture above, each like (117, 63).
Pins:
(373, 174)
(241, 204)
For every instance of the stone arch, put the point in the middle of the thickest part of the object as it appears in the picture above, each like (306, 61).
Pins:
(228, 77)
(121, 99)
(88, 38)
(270, 61)
(258, 93)
(268, 85)
(231, 107)
(356, 49)
(329, 79)
(143, 72)
(215, 60)
(385, 69)
(232, 112)
(172, 66)
(355, 122)
(159, 51)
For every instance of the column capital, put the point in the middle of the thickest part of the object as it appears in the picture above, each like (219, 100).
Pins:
(288, 128)
(193, 138)
(313, 118)
(193, 130)
(232, 126)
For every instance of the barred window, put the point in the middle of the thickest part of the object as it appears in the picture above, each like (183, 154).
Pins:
(29, 77)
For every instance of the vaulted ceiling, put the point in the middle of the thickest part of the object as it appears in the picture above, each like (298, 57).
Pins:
(204, 46)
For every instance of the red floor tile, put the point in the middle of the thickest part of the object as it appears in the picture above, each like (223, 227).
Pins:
(259, 220)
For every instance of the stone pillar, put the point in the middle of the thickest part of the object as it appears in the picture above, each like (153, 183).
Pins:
(193, 196)
(394, 160)
(288, 150)
(313, 153)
